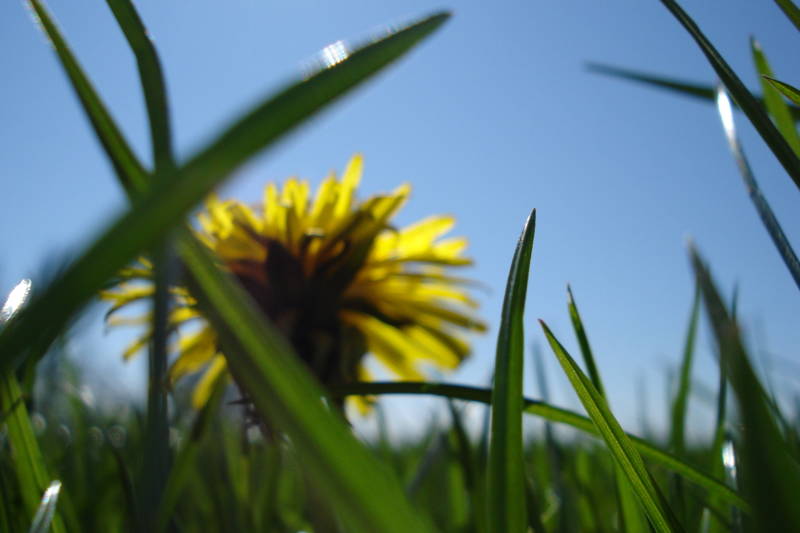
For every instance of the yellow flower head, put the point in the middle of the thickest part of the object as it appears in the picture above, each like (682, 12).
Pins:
(333, 275)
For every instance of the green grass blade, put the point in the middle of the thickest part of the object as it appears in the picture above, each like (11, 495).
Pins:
(152, 78)
(759, 201)
(754, 111)
(695, 90)
(168, 200)
(583, 342)
(282, 391)
(776, 105)
(506, 484)
(679, 405)
(623, 451)
(45, 514)
(123, 159)
(789, 91)
(769, 476)
(548, 412)
(791, 11)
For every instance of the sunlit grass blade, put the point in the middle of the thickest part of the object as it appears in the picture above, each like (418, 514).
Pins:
(127, 165)
(699, 91)
(769, 476)
(45, 514)
(754, 111)
(506, 484)
(282, 391)
(776, 105)
(791, 10)
(583, 342)
(681, 401)
(623, 451)
(762, 206)
(548, 412)
(168, 200)
(789, 91)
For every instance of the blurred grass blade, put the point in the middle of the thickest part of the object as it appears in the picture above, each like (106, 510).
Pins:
(46, 512)
(754, 111)
(679, 405)
(583, 342)
(124, 161)
(762, 206)
(791, 11)
(704, 92)
(548, 412)
(168, 200)
(789, 91)
(282, 392)
(776, 106)
(768, 475)
(623, 451)
(152, 79)
(506, 484)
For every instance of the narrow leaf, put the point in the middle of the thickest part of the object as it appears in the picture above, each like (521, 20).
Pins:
(623, 451)
(791, 10)
(583, 342)
(789, 91)
(759, 201)
(45, 514)
(776, 106)
(679, 405)
(506, 500)
(755, 112)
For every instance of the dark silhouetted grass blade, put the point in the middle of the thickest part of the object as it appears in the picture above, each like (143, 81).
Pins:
(791, 11)
(623, 451)
(769, 476)
(776, 105)
(583, 342)
(282, 391)
(506, 484)
(680, 403)
(762, 206)
(548, 412)
(754, 111)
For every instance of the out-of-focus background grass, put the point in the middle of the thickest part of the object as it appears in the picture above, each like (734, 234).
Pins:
(493, 115)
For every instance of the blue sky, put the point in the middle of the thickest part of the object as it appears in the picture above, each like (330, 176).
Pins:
(492, 116)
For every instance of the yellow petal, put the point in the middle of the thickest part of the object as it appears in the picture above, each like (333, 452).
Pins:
(204, 388)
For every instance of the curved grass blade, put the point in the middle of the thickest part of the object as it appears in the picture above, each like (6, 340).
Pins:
(767, 473)
(776, 106)
(677, 436)
(762, 206)
(169, 199)
(506, 484)
(283, 392)
(791, 11)
(583, 342)
(623, 451)
(698, 91)
(789, 91)
(755, 112)
(123, 159)
(46, 512)
(548, 412)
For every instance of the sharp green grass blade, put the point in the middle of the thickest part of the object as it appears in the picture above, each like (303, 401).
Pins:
(506, 484)
(768, 474)
(679, 405)
(45, 514)
(633, 518)
(623, 451)
(548, 412)
(168, 200)
(754, 111)
(704, 92)
(583, 342)
(124, 161)
(791, 11)
(776, 105)
(152, 78)
(762, 206)
(282, 391)
(789, 91)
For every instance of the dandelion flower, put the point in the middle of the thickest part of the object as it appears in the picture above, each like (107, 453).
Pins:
(335, 277)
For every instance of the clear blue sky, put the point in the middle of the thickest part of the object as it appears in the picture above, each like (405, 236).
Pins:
(494, 115)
